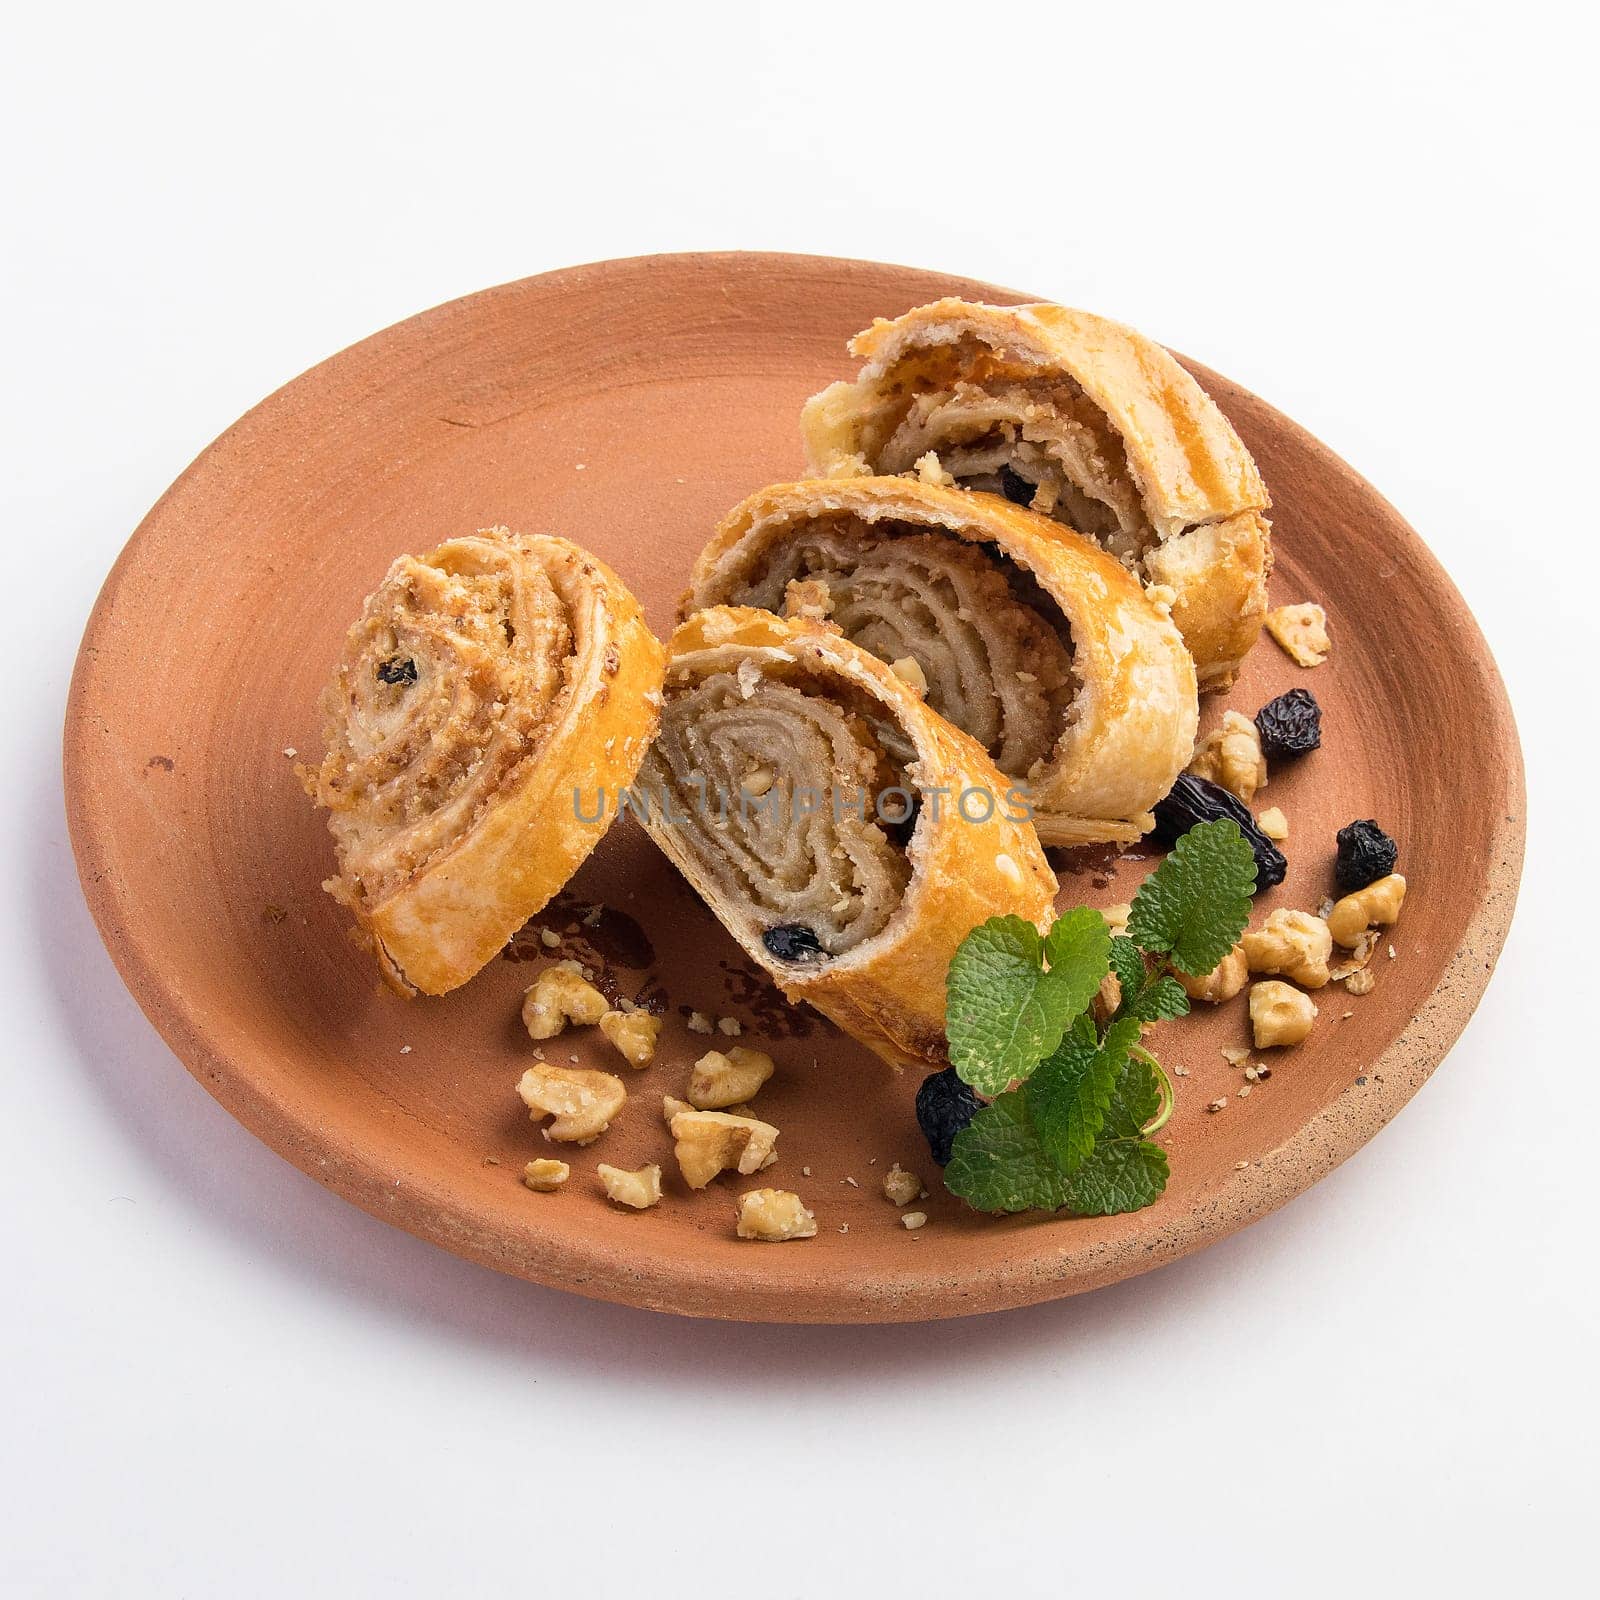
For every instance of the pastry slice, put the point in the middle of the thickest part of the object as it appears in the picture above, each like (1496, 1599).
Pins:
(485, 685)
(1083, 420)
(843, 832)
(1021, 632)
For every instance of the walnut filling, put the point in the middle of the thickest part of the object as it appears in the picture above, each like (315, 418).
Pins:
(1000, 425)
(446, 685)
(987, 645)
(1003, 427)
(810, 851)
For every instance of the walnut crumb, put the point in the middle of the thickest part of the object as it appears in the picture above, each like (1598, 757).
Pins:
(637, 1190)
(579, 1104)
(633, 1033)
(901, 1187)
(545, 1175)
(909, 671)
(1274, 824)
(730, 1026)
(699, 1022)
(561, 994)
(549, 938)
(721, 1080)
(774, 1215)
(912, 1220)
(709, 1142)
(1302, 631)
(1218, 1103)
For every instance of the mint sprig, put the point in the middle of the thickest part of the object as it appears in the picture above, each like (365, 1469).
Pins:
(1195, 905)
(1005, 1008)
(1075, 1131)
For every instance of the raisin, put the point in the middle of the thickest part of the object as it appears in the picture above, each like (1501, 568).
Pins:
(1195, 800)
(1016, 488)
(945, 1105)
(397, 669)
(1366, 853)
(793, 941)
(1291, 725)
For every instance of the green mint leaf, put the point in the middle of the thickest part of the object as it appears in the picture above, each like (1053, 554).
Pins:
(1145, 996)
(1068, 1096)
(1134, 1103)
(998, 1163)
(1078, 949)
(1127, 962)
(1124, 1175)
(1161, 1000)
(1126, 1172)
(1004, 1011)
(1195, 905)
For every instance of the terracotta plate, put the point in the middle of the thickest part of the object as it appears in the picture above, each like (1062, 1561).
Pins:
(627, 405)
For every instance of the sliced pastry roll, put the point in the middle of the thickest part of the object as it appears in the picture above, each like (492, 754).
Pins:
(844, 833)
(1027, 636)
(1082, 419)
(485, 684)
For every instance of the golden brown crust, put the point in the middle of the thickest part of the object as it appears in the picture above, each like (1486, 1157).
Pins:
(889, 991)
(1130, 727)
(441, 910)
(1186, 461)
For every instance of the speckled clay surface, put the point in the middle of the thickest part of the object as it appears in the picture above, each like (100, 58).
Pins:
(627, 405)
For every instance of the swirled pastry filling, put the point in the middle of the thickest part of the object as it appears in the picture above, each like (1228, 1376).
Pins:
(457, 664)
(775, 784)
(1002, 427)
(991, 646)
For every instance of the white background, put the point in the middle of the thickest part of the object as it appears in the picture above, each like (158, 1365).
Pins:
(217, 1379)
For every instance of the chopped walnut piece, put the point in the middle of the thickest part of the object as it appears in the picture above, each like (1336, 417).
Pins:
(671, 1105)
(559, 995)
(1223, 982)
(1293, 943)
(1376, 905)
(909, 671)
(546, 1175)
(808, 598)
(912, 1220)
(774, 1215)
(730, 1026)
(901, 1187)
(1302, 630)
(1231, 756)
(634, 1033)
(1117, 917)
(699, 1022)
(1279, 1014)
(722, 1080)
(1274, 824)
(709, 1142)
(640, 1190)
(580, 1104)
(1360, 954)
(1362, 982)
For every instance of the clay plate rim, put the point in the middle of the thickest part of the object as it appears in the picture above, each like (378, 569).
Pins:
(430, 1209)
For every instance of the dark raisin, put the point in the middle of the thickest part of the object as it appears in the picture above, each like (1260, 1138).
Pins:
(945, 1105)
(793, 941)
(1016, 488)
(397, 669)
(1291, 725)
(1366, 853)
(1195, 800)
